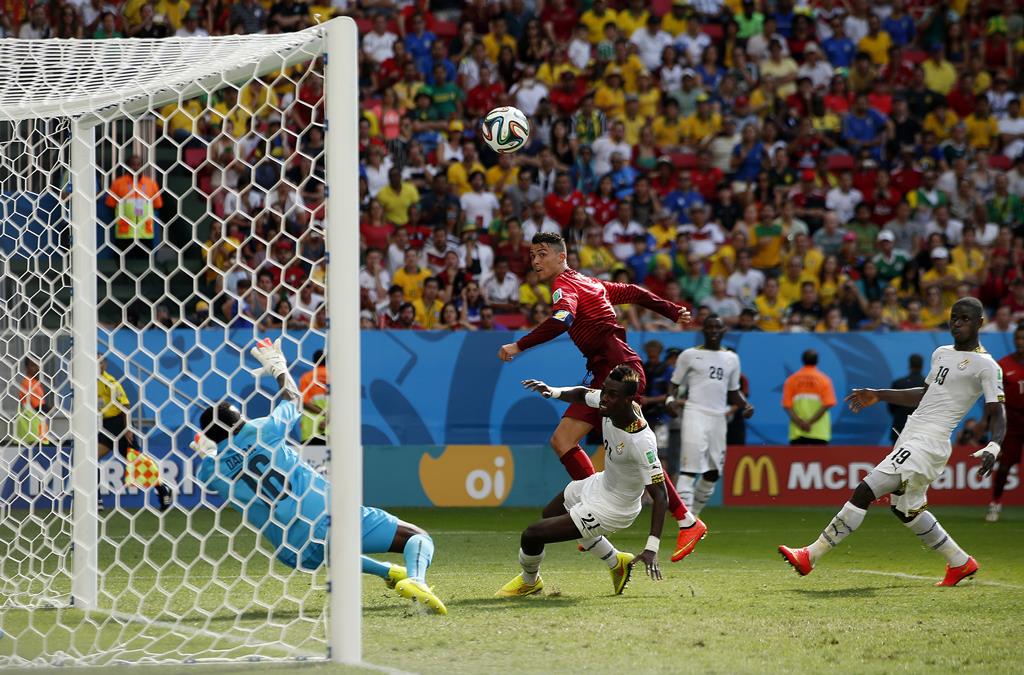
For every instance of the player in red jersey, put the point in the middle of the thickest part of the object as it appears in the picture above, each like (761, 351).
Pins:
(1013, 387)
(584, 307)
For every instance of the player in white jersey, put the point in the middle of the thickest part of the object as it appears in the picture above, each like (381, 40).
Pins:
(606, 501)
(708, 383)
(958, 375)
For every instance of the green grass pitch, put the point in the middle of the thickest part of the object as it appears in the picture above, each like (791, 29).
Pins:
(732, 607)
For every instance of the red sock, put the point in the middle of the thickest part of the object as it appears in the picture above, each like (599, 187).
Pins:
(675, 504)
(577, 464)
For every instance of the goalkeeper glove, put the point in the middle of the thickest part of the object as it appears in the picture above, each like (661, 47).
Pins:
(988, 456)
(270, 357)
(203, 446)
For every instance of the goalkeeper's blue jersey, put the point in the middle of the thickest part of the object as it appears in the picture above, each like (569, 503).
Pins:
(277, 493)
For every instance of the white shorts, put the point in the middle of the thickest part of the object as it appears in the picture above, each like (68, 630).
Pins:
(917, 460)
(592, 515)
(703, 442)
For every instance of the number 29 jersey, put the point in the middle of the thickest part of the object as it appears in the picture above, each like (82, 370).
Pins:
(265, 480)
(707, 376)
(955, 381)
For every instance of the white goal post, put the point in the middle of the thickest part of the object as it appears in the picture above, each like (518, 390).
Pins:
(74, 114)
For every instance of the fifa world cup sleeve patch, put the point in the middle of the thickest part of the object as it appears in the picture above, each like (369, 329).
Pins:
(556, 296)
(650, 457)
(564, 316)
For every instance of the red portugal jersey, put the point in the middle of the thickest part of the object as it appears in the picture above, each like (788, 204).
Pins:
(584, 306)
(1013, 389)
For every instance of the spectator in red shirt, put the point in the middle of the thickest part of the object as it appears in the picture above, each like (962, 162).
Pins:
(482, 98)
(568, 93)
(560, 203)
(515, 249)
(602, 205)
(706, 178)
(559, 19)
(664, 180)
(961, 99)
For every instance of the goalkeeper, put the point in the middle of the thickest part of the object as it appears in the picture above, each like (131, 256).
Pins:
(250, 464)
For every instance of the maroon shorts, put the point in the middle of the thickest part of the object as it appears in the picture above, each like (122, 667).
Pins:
(592, 416)
(1012, 445)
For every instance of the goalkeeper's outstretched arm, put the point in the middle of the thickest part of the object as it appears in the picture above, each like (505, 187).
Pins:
(272, 359)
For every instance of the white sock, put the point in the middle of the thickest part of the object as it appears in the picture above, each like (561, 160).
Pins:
(684, 486)
(530, 565)
(701, 494)
(602, 549)
(688, 520)
(844, 523)
(934, 537)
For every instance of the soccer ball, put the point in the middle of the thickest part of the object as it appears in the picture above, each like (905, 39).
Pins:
(505, 129)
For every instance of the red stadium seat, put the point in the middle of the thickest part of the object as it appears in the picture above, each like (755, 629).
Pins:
(713, 31)
(684, 160)
(840, 163)
(510, 321)
(195, 156)
(915, 55)
(446, 30)
(1000, 162)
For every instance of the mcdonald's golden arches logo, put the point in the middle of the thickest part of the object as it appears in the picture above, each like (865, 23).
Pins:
(758, 469)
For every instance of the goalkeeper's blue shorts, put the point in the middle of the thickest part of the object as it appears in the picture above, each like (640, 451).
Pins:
(378, 531)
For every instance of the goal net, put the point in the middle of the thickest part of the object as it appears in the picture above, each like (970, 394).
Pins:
(164, 204)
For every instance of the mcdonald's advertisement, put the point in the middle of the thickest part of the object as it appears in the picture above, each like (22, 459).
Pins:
(826, 475)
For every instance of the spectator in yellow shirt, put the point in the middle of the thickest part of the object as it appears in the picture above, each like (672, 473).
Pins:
(674, 23)
(877, 42)
(770, 308)
(939, 74)
(669, 131)
(700, 127)
(649, 95)
(531, 291)
(181, 120)
(942, 276)
(969, 257)
(174, 11)
(595, 18)
(791, 283)
(610, 97)
(934, 312)
(663, 230)
(940, 121)
(501, 175)
(596, 259)
(459, 172)
(428, 307)
(633, 18)
(411, 276)
(981, 126)
(396, 197)
(498, 38)
(766, 239)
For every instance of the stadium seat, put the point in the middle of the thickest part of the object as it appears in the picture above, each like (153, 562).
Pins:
(446, 30)
(915, 55)
(195, 156)
(840, 163)
(1000, 162)
(713, 31)
(510, 321)
(684, 160)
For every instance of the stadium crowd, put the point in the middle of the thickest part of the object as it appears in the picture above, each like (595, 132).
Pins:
(790, 166)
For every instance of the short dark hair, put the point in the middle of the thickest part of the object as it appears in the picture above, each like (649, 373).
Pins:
(395, 288)
(432, 280)
(217, 422)
(628, 377)
(974, 304)
(809, 358)
(553, 239)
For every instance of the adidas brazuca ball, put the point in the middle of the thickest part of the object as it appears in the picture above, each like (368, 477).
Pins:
(505, 129)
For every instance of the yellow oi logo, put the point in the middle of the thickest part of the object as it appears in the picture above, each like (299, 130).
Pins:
(468, 475)
(758, 469)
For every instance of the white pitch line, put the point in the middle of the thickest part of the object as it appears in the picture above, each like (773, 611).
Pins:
(918, 577)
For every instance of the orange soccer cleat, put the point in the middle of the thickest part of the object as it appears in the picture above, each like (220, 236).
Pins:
(799, 558)
(955, 575)
(688, 538)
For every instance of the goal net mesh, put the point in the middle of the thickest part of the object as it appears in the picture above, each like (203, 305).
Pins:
(207, 157)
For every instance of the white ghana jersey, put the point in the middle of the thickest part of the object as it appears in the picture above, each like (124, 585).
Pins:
(955, 381)
(630, 465)
(707, 376)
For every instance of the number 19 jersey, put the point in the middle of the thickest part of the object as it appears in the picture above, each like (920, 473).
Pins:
(708, 376)
(955, 381)
(265, 480)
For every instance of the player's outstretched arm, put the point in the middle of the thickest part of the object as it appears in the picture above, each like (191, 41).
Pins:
(649, 556)
(995, 413)
(631, 294)
(858, 399)
(567, 394)
(273, 362)
(549, 329)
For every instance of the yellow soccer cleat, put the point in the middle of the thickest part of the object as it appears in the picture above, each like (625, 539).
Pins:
(518, 588)
(621, 572)
(417, 591)
(395, 574)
